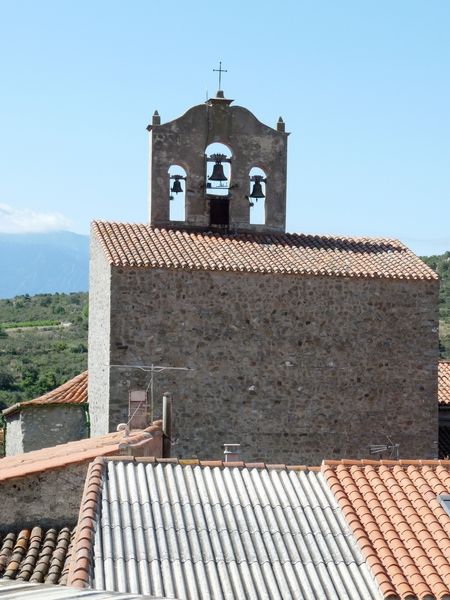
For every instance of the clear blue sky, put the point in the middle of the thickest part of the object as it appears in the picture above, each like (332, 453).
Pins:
(363, 85)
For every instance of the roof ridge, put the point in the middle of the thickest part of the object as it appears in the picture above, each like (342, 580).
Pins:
(195, 462)
(250, 234)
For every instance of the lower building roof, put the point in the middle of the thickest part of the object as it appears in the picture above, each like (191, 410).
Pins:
(80, 451)
(35, 554)
(395, 514)
(349, 529)
(205, 531)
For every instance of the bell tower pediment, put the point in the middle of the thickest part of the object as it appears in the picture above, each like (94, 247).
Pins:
(218, 146)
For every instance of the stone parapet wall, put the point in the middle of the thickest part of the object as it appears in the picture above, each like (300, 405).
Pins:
(50, 498)
(294, 368)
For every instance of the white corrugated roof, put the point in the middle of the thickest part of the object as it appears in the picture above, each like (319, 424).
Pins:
(209, 532)
(15, 590)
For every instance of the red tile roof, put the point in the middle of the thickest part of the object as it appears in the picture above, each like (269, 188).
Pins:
(37, 555)
(393, 511)
(444, 382)
(74, 391)
(133, 245)
(80, 451)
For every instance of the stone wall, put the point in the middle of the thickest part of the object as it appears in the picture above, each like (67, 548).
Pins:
(50, 499)
(42, 426)
(294, 368)
(45, 426)
(99, 331)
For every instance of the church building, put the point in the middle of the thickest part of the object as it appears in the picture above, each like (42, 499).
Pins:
(296, 346)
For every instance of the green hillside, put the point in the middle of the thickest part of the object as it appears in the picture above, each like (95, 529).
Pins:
(43, 338)
(43, 343)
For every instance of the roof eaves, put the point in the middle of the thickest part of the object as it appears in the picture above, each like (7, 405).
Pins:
(57, 463)
(30, 404)
(12, 409)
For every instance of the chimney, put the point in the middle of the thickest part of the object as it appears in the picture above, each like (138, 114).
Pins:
(232, 452)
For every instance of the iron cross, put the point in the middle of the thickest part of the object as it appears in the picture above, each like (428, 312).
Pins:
(220, 71)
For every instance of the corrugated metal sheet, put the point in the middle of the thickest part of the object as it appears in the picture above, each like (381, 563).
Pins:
(15, 590)
(194, 532)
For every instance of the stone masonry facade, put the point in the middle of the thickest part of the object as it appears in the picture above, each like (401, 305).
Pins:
(294, 368)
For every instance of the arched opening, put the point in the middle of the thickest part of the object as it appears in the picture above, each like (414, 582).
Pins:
(177, 193)
(218, 169)
(257, 196)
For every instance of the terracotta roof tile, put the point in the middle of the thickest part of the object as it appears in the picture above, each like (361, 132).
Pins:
(73, 391)
(79, 451)
(81, 568)
(393, 511)
(444, 382)
(37, 555)
(135, 245)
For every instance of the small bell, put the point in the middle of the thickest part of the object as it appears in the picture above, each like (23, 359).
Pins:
(257, 191)
(176, 187)
(218, 174)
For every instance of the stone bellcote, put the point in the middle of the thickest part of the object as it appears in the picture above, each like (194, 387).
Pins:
(218, 164)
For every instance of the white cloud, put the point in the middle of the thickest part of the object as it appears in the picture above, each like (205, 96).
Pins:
(24, 220)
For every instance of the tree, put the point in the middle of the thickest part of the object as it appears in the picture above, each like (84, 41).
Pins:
(7, 381)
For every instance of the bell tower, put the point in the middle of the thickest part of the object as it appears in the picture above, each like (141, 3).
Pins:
(217, 168)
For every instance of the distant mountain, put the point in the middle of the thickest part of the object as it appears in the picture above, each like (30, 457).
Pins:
(39, 263)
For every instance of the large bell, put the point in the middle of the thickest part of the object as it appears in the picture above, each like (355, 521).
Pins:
(257, 191)
(218, 174)
(176, 187)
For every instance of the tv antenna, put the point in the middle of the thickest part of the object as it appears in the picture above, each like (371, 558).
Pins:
(153, 370)
(393, 449)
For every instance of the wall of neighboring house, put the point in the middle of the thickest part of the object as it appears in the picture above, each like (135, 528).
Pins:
(13, 434)
(45, 426)
(42, 426)
(294, 368)
(50, 498)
